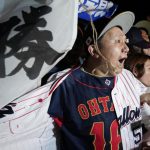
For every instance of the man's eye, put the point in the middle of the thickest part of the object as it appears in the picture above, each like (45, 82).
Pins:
(122, 41)
(118, 41)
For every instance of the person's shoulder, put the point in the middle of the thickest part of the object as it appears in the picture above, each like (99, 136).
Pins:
(59, 74)
(64, 76)
(127, 72)
(128, 76)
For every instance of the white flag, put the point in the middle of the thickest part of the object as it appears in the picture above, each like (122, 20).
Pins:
(34, 36)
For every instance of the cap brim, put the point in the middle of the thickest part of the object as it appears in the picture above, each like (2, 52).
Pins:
(125, 20)
(143, 44)
(143, 24)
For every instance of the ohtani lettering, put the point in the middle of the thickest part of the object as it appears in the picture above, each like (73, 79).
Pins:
(93, 107)
(128, 115)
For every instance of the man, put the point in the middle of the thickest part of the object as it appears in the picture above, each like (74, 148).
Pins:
(139, 65)
(138, 41)
(97, 105)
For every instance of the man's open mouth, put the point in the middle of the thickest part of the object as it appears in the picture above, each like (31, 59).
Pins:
(122, 60)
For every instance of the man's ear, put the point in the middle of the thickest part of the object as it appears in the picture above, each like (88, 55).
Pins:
(92, 51)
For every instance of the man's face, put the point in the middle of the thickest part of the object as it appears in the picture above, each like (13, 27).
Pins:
(144, 35)
(146, 51)
(145, 79)
(114, 48)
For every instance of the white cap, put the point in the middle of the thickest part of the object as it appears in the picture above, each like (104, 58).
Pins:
(143, 24)
(125, 20)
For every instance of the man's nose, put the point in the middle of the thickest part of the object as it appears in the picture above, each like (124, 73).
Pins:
(125, 48)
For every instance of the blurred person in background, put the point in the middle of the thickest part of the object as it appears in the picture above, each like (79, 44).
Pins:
(138, 41)
(139, 65)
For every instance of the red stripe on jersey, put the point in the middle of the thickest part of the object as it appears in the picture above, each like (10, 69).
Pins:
(57, 82)
(58, 121)
(90, 86)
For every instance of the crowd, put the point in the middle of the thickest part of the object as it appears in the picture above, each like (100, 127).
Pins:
(96, 68)
(97, 97)
(138, 63)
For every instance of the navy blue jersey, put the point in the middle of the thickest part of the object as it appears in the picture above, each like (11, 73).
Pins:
(82, 106)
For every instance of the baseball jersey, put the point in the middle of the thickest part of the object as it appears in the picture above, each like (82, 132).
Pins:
(26, 125)
(83, 106)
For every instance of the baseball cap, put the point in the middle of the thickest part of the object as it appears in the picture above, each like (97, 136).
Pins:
(135, 38)
(143, 24)
(124, 20)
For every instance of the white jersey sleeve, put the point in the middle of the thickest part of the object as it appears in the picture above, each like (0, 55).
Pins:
(25, 123)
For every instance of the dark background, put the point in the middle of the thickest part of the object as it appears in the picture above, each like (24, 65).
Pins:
(140, 7)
